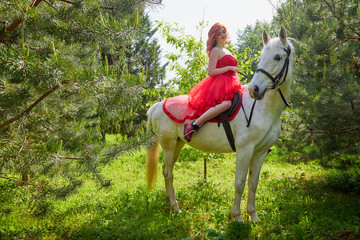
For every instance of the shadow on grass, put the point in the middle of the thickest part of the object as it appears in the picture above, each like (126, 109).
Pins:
(141, 215)
(147, 215)
(289, 208)
(301, 208)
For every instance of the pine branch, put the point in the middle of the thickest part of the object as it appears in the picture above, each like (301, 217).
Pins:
(337, 16)
(19, 20)
(35, 3)
(66, 1)
(27, 111)
(130, 148)
(5, 60)
(117, 6)
(347, 147)
(337, 131)
(114, 153)
(153, 2)
(274, 7)
(18, 180)
(121, 34)
(14, 25)
(291, 21)
(51, 6)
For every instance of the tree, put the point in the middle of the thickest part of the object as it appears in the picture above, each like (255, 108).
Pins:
(326, 97)
(189, 62)
(143, 58)
(249, 40)
(58, 87)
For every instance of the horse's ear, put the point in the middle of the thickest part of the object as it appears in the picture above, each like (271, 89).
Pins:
(266, 37)
(282, 35)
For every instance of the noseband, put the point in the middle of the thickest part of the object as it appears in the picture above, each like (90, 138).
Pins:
(277, 79)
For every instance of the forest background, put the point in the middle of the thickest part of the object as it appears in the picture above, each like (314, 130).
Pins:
(74, 72)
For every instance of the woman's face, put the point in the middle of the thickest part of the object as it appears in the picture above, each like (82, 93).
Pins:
(221, 37)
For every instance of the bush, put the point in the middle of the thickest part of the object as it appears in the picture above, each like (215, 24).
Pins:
(345, 180)
(238, 230)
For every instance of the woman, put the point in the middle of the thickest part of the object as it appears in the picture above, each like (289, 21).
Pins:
(213, 94)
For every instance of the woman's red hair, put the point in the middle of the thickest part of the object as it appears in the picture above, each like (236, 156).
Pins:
(211, 42)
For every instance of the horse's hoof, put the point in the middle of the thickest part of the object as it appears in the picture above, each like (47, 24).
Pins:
(175, 207)
(236, 218)
(254, 218)
(177, 211)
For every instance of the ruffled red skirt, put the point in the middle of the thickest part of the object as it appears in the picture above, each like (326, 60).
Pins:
(212, 91)
(204, 95)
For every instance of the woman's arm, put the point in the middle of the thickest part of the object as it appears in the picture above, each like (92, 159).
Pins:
(213, 58)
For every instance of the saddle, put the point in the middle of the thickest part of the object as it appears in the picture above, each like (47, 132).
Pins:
(224, 118)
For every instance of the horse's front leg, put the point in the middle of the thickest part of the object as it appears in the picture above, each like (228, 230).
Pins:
(254, 173)
(171, 150)
(243, 157)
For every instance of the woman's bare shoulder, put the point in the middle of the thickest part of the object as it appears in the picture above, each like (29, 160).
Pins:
(215, 51)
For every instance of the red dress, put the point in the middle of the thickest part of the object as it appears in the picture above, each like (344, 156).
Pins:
(214, 90)
(207, 93)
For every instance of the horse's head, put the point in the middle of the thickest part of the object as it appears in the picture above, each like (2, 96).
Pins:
(273, 66)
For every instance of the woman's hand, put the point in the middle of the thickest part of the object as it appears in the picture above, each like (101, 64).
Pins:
(234, 69)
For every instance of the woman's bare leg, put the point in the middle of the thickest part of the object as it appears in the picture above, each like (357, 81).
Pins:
(190, 128)
(213, 112)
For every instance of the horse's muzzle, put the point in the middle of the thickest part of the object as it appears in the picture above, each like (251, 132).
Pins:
(256, 93)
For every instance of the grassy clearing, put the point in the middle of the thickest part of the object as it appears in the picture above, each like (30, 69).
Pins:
(293, 202)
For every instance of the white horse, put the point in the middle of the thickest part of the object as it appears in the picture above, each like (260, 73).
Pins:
(251, 142)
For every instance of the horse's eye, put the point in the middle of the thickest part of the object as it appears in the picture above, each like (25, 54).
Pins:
(277, 57)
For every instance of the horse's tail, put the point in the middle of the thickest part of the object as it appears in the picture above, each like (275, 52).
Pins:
(152, 154)
(152, 157)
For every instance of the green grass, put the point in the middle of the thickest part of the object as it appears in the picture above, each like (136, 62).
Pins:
(293, 202)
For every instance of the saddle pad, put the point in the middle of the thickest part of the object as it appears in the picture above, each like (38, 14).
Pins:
(176, 108)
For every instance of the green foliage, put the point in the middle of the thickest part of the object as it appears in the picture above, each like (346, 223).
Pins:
(246, 62)
(249, 41)
(68, 77)
(237, 230)
(189, 62)
(293, 202)
(345, 180)
(323, 123)
(73, 71)
(327, 73)
(142, 59)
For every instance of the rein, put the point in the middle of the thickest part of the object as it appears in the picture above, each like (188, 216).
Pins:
(276, 84)
(277, 79)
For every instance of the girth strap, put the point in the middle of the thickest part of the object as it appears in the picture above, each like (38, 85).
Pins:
(229, 133)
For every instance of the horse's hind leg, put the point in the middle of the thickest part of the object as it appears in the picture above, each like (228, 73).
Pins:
(254, 173)
(171, 150)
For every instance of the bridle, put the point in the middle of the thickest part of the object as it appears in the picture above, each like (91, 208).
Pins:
(277, 82)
